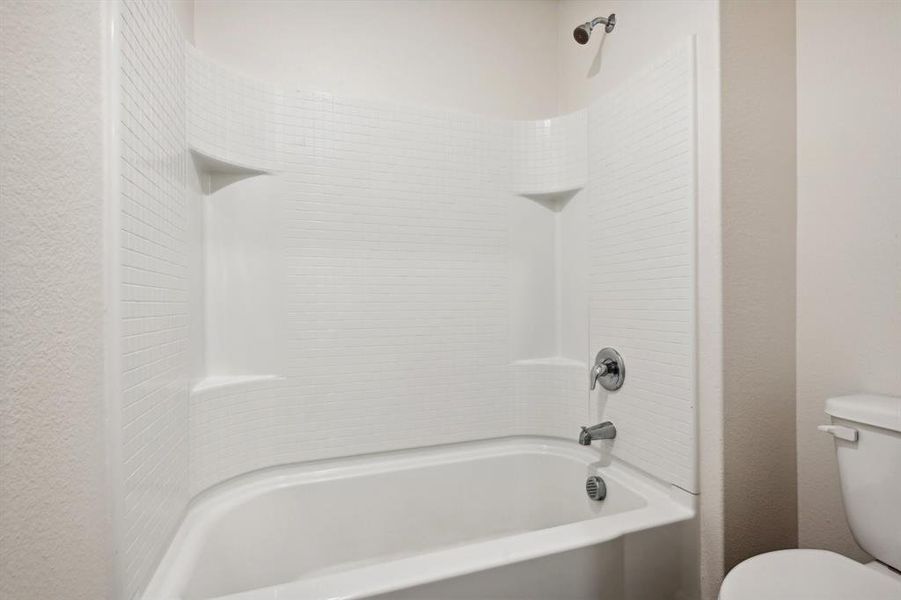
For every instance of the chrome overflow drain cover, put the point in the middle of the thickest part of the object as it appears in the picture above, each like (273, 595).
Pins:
(595, 488)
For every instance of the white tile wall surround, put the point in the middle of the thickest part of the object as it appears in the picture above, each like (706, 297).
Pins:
(153, 273)
(642, 262)
(551, 397)
(235, 119)
(409, 209)
(395, 225)
(552, 154)
(253, 416)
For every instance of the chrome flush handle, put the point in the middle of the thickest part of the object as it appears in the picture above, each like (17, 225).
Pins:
(609, 369)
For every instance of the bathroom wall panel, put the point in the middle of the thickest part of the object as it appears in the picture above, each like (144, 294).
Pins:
(646, 29)
(236, 119)
(552, 153)
(396, 227)
(551, 399)
(240, 428)
(153, 280)
(548, 298)
(396, 224)
(641, 193)
(533, 290)
(397, 270)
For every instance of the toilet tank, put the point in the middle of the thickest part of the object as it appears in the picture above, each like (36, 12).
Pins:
(870, 470)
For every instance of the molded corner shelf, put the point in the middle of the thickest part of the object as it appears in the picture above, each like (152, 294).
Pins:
(222, 172)
(553, 200)
(213, 164)
(219, 382)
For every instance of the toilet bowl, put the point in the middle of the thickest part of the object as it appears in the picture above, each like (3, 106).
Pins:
(867, 432)
(809, 575)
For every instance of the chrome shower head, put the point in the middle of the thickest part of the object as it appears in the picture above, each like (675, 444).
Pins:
(583, 32)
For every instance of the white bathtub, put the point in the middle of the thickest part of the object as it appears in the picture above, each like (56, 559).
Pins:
(498, 519)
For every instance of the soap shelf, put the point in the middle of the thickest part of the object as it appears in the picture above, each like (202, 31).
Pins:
(214, 164)
(553, 200)
(221, 172)
(220, 382)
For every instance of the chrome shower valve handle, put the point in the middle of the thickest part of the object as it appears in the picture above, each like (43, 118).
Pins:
(609, 369)
(596, 372)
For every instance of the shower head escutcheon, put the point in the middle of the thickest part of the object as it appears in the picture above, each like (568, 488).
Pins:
(583, 31)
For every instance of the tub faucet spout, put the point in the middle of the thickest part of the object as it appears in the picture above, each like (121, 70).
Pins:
(602, 431)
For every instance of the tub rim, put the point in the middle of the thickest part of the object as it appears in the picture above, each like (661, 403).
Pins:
(665, 504)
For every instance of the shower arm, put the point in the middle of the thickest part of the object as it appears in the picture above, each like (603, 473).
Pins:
(608, 22)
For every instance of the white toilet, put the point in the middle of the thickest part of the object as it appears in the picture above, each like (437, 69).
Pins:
(867, 432)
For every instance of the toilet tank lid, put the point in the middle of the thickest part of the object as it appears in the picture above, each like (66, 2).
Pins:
(870, 409)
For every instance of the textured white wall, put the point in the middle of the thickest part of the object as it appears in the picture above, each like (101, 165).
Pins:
(484, 56)
(55, 530)
(758, 73)
(184, 14)
(849, 235)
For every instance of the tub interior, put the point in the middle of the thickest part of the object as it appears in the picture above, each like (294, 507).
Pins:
(344, 522)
